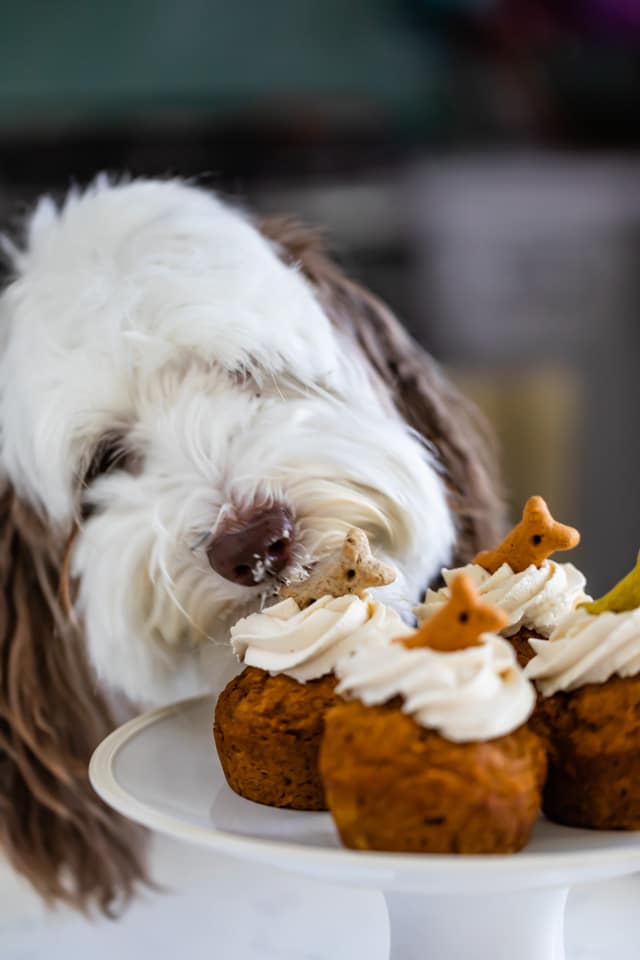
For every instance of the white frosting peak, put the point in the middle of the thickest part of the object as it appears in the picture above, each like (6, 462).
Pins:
(473, 694)
(306, 644)
(587, 649)
(537, 598)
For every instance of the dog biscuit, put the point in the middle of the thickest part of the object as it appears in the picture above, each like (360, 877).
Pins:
(353, 570)
(531, 541)
(460, 623)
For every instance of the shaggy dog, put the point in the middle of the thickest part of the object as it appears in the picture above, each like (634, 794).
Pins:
(194, 407)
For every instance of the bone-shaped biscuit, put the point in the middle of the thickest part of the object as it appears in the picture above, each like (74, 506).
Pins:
(353, 570)
(460, 623)
(532, 540)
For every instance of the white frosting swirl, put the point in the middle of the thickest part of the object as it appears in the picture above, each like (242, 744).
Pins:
(537, 598)
(473, 694)
(306, 644)
(586, 649)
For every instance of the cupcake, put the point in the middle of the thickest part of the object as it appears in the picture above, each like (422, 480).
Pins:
(429, 752)
(535, 592)
(588, 675)
(269, 720)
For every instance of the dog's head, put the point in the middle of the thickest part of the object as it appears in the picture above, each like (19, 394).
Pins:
(199, 406)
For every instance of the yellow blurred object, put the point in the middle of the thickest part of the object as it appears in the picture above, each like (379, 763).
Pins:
(624, 596)
(536, 413)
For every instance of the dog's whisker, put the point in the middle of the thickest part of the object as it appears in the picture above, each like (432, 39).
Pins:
(277, 385)
(170, 588)
(200, 542)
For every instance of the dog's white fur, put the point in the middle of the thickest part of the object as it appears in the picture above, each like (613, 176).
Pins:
(158, 311)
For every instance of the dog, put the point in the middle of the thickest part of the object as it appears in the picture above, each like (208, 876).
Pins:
(195, 405)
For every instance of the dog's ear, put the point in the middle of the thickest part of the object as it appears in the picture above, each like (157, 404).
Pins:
(424, 397)
(53, 827)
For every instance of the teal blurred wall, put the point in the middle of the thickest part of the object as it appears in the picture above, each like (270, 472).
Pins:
(105, 62)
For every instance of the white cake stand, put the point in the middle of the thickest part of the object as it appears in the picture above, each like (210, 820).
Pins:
(161, 770)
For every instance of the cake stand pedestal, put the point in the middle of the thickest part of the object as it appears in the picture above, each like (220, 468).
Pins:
(161, 771)
(501, 926)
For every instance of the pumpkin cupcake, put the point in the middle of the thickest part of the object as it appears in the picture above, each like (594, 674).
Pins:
(430, 753)
(269, 720)
(535, 592)
(588, 675)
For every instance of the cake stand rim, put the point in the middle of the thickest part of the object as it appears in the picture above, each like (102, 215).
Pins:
(385, 870)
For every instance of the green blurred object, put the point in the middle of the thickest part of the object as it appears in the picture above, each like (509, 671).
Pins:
(105, 63)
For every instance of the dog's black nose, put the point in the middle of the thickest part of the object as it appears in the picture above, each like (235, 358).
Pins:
(251, 553)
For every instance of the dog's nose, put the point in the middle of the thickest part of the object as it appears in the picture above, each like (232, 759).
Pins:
(256, 550)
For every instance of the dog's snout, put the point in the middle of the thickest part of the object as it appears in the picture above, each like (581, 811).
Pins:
(259, 548)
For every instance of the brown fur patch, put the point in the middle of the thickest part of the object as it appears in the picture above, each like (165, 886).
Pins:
(53, 827)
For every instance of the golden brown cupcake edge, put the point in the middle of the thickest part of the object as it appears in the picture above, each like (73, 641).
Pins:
(267, 731)
(594, 757)
(393, 785)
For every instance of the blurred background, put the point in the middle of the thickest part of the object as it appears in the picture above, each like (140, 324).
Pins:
(475, 162)
(472, 161)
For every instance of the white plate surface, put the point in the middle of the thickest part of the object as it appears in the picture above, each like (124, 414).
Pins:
(162, 771)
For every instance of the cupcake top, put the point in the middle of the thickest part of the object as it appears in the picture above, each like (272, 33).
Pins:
(453, 675)
(323, 618)
(537, 597)
(519, 577)
(306, 644)
(599, 640)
